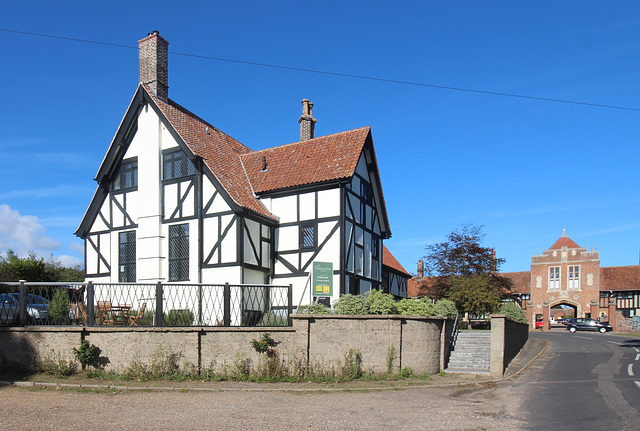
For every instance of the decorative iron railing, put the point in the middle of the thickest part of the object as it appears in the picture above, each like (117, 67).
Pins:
(154, 304)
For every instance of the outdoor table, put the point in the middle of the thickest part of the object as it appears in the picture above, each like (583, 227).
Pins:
(120, 314)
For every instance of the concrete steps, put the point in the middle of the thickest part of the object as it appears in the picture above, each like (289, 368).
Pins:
(472, 353)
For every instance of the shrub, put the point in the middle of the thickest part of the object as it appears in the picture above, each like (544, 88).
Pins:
(416, 307)
(86, 354)
(513, 311)
(445, 307)
(381, 303)
(351, 304)
(178, 318)
(314, 308)
(59, 306)
(352, 368)
(273, 318)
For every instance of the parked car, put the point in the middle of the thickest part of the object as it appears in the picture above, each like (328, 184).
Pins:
(588, 325)
(540, 323)
(37, 308)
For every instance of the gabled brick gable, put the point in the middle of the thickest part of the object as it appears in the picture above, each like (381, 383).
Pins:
(564, 241)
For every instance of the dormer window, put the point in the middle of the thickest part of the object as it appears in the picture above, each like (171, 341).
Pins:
(175, 164)
(127, 177)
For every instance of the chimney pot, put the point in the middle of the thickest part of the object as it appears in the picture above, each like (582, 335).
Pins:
(307, 122)
(154, 64)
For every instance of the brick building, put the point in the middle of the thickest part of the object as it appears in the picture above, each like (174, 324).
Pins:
(570, 276)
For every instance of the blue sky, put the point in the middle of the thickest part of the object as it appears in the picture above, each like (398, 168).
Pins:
(523, 168)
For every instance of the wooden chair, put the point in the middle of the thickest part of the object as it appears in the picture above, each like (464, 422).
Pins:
(82, 312)
(135, 320)
(104, 313)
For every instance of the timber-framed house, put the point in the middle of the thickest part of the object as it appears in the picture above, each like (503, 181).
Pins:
(180, 201)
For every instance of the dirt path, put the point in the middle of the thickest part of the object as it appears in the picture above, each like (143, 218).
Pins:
(468, 408)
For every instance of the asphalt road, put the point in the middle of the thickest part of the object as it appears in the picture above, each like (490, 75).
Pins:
(584, 381)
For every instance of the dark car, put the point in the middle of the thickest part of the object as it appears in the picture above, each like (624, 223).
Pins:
(37, 308)
(568, 321)
(588, 325)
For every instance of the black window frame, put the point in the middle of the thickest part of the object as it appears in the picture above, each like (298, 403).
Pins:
(128, 169)
(308, 231)
(176, 164)
(127, 258)
(179, 252)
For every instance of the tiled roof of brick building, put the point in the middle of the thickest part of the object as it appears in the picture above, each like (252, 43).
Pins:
(564, 241)
(417, 287)
(620, 278)
(521, 281)
(389, 260)
(318, 160)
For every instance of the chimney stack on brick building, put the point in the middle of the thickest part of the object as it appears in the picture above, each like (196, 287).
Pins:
(154, 64)
(307, 122)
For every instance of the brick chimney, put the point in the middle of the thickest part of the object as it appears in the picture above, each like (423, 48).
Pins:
(154, 64)
(307, 122)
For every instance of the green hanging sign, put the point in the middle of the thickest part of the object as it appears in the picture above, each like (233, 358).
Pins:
(322, 279)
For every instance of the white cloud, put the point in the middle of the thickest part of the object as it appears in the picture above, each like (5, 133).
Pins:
(24, 234)
(68, 261)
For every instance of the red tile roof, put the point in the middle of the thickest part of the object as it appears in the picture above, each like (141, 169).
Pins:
(233, 164)
(564, 241)
(620, 278)
(389, 260)
(417, 287)
(318, 160)
(521, 281)
(219, 151)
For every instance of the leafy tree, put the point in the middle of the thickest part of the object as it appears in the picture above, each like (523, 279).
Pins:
(14, 268)
(465, 271)
(31, 268)
(475, 294)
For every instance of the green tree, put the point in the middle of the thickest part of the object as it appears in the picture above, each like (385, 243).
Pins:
(466, 271)
(14, 268)
(32, 268)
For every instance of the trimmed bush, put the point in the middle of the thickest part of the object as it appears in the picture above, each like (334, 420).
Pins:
(513, 311)
(415, 307)
(446, 308)
(351, 304)
(381, 303)
(314, 308)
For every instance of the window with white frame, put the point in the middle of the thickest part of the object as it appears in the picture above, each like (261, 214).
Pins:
(574, 278)
(554, 278)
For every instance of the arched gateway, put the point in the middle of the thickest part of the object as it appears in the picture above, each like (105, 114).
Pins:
(569, 274)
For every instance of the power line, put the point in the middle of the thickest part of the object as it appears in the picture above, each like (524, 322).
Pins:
(340, 74)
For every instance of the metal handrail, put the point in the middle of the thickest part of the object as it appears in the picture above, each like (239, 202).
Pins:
(454, 333)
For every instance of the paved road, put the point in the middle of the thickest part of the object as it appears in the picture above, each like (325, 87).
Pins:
(584, 381)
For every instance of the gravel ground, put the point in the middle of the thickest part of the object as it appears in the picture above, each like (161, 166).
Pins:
(237, 406)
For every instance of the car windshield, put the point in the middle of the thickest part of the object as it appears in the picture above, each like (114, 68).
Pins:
(36, 300)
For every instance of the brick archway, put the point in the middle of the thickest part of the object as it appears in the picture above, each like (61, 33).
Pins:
(573, 304)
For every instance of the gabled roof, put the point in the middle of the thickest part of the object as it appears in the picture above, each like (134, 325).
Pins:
(390, 261)
(219, 152)
(564, 241)
(318, 160)
(234, 166)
